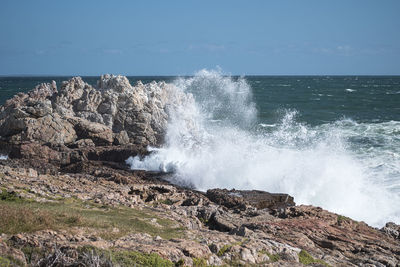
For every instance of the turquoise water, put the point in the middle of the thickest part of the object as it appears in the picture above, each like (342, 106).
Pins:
(331, 141)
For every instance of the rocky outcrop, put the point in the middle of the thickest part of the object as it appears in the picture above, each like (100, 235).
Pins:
(182, 225)
(113, 113)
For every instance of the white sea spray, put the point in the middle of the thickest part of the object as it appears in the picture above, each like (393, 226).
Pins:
(213, 140)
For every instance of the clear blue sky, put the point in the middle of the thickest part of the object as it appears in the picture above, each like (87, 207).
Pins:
(180, 37)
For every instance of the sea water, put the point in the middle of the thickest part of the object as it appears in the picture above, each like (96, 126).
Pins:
(328, 141)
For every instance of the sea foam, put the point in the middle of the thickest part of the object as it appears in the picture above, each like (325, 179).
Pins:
(215, 141)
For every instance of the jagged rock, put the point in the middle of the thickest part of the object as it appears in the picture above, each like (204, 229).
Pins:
(49, 129)
(392, 229)
(81, 143)
(121, 138)
(116, 113)
(98, 133)
(118, 83)
(247, 256)
(241, 199)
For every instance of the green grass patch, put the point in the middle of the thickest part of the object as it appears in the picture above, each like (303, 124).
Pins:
(179, 263)
(134, 258)
(9, 196)
(32, 253)
(341, 218)
(199, 262)
(306, 259)
(272, 257)
(8, 261)
(224, 249)
(167, 201)
(128, 258)
(19, 215)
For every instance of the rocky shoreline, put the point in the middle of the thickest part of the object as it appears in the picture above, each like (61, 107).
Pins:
(68, 198)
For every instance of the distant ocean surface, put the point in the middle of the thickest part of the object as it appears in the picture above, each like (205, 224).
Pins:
(318, 99)
(330, 141)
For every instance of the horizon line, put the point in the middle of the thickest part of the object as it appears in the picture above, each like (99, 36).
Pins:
(185, 75)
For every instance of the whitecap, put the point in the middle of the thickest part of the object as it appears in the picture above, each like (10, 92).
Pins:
(266, 125)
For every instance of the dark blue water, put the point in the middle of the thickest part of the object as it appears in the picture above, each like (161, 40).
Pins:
(319, 99)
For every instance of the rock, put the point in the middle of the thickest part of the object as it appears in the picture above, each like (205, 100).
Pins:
(32, 173)
(121, 138)
(35, 151)
(70, 92)
(116, 113)
(242, 231)
(118, 83)
(247, 256)
(84, 143)
(392, 229)
(241, 199)
(231, 200)
(98, 133)
(289, 255)
(49, 129)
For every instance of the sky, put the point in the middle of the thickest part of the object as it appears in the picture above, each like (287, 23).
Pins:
(282, 37)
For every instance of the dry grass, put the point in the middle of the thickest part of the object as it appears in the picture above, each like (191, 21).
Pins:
(20, 215)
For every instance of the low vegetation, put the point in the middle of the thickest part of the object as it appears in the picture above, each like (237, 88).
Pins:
(197, 262)
(306, 259)
(341, 219)
(7, 261)
(22, 215)
(272, 257)
(134, 258)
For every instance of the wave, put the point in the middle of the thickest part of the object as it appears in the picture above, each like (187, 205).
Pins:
(215, 140)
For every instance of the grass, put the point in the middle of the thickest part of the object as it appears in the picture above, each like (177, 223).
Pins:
(224, 249)
(8, 196)
(31, 253)
(134, 258)
(167, 201)
(87, 255)
(7, 261)
(272, 257)
(198, 262)
(22, 215)
(341, 218)
(306, 259)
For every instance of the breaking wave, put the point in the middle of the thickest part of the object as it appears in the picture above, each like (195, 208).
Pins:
(214, 139)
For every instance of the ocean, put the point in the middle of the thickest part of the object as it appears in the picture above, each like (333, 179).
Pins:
(329, 141)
